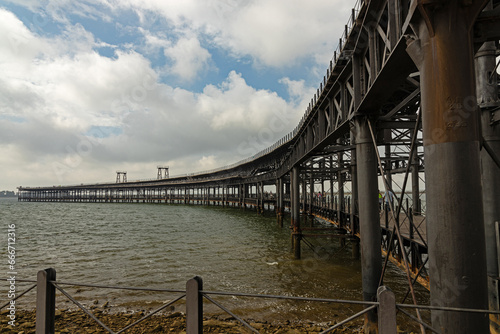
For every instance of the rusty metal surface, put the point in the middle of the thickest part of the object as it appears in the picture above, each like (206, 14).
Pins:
(443, 51)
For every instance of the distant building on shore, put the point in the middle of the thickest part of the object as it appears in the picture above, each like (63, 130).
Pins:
(6, 193)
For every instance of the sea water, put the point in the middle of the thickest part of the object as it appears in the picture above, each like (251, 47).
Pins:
(161, 246)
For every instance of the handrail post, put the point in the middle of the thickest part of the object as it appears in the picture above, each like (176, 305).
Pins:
(45, 301)
(386, 311)
(194, 306)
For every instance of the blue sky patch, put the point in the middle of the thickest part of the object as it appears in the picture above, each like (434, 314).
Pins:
(103, 131)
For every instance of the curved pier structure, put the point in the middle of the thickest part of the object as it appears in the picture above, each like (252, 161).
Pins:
(409, 102)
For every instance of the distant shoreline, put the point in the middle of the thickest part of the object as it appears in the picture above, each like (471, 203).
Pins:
(8, 194)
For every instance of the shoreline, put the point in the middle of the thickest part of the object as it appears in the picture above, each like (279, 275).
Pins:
(70, 321)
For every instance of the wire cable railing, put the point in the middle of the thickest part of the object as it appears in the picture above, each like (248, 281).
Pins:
(194, 295)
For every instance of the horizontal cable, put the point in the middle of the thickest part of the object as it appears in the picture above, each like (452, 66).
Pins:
(323, 300)
(239, 294)
(444, 308)
(19, 280)
(118, 287)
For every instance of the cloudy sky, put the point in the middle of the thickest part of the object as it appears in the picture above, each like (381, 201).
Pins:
(94, 86)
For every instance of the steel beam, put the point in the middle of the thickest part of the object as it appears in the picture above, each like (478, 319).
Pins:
(487, 26)
(443, 52)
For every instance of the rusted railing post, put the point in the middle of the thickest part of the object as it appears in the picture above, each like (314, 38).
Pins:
(194, 306)
(45, 301)
(386, 311)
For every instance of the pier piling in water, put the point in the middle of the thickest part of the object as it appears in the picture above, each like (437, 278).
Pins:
(296, 232)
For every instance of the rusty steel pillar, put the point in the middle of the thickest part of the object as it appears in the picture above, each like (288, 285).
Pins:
(262, 197)
(443, 52)
(311, 191)
(369, 226)
(246, 194)
(279, 201)
(487, 98)
(322, 185)
(332, 194)
(296, 232)
(241, 195)
(415, 180)
(340, 180)
(388, 154)
(354, 190)
(304, 197)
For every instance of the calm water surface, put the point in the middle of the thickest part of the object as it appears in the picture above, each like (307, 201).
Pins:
(162, 246)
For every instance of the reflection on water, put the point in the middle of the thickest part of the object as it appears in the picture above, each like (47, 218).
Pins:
(162, 246)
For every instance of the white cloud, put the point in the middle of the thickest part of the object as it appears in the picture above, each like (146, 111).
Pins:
(297, 89)
(235, 104)
(208, 163)
(274, 33)
(54, 89)
(279, 33)
(189, 58)
(18, 45)
(154, 41)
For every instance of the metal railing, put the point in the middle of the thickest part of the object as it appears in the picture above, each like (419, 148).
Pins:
(386, 307)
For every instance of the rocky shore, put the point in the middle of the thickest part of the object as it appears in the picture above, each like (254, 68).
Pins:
(70, 322)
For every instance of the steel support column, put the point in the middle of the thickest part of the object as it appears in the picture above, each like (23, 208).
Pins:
(443, 52)
(279, 201)
(311, 190)
(304, 196)
(487, 98)
(296, 232)
(261, 195)
(388, 160)
(340, 178)
(322, 185)
(370, 235)
(354, 191)
(332, 193)
(415, 188)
